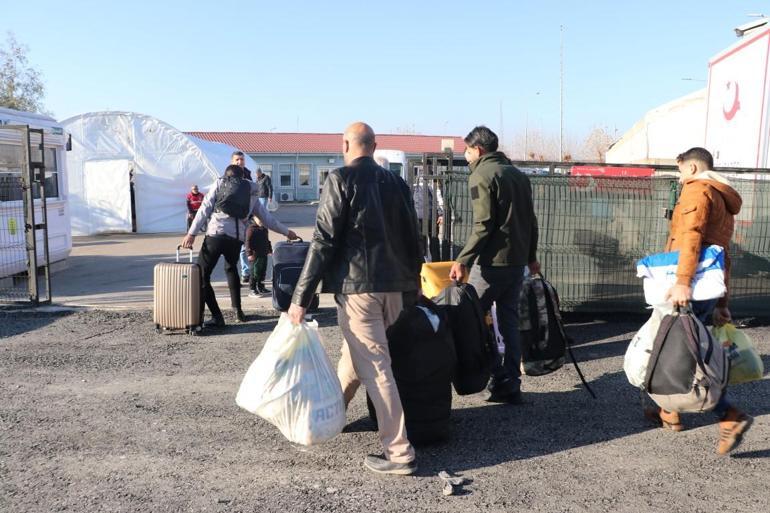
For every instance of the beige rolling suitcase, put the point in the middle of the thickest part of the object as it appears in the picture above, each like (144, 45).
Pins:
(177, 301)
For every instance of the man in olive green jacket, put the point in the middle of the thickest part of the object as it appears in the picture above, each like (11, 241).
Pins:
(503, 241)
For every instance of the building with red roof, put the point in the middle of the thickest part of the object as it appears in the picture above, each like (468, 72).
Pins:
(298, 163)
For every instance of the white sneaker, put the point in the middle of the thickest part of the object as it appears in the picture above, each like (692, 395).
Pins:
(253, 293)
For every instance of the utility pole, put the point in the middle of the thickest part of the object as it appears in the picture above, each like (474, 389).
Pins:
(561, 93)
(502, 134)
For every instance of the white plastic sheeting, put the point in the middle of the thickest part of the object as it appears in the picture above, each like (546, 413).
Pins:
(162, 162)
(663, 133)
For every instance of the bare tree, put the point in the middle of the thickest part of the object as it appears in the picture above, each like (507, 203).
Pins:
(21, 86)
(534, 144)
(595, 146)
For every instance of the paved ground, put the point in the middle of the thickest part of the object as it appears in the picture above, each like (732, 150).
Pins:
(115, 271)
(100, 413)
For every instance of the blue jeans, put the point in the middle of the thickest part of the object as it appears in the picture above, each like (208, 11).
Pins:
(702, 310)
(243, 260)
(502, 285)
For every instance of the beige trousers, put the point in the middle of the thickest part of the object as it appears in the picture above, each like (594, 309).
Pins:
(365, 359)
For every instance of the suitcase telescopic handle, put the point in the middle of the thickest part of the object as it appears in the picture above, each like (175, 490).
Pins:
(177, 253)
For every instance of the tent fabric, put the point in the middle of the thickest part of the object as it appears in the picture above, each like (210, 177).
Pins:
(663, 133)
(163, 164)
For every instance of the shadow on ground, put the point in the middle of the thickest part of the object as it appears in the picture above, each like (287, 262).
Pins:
(24, 322)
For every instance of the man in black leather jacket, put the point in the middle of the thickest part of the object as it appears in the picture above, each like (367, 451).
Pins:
(366, 250)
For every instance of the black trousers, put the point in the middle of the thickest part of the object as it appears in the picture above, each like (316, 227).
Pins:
(212, 249)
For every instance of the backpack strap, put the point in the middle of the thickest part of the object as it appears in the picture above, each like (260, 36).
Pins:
(657, 346)
(692, 342)
(568, 341)
(577, 369)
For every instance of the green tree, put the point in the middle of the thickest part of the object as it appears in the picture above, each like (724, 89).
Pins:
(21, 86)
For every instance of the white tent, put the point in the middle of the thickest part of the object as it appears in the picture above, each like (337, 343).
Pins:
(125, 165)
(663, 133)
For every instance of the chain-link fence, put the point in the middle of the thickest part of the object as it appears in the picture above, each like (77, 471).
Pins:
(594, 229)
(13, 248)
(24, 266)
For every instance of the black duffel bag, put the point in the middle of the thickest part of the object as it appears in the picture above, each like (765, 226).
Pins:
(423, 361)
(474, 340)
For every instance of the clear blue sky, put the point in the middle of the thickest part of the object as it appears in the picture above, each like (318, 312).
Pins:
(435, 67)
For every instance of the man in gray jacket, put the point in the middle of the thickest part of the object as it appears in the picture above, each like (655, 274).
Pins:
(224, 237)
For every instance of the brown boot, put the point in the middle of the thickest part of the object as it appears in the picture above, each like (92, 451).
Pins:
(731, 430)
(665, 419)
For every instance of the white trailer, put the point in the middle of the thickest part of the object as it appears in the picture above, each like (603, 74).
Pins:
(13, 256)
(396, 160)
(738, 103)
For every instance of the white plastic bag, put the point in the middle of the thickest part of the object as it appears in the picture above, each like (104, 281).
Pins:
(659, 273)
(293, 386)
(272, 205)
(640, 349)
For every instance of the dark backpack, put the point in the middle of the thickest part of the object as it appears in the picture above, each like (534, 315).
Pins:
(688, 369)
(233, 197)
(544, 341)
(542, 335)
(472, 336)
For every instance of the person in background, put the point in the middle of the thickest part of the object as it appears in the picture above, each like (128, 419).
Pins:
(239, 159)
(425, 193)
(224, 237)
(365, 250)
(258, 247)
(264, 187)
(194, 200)
(704, 215)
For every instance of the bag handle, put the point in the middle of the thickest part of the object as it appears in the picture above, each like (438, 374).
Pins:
(177, 253)
(657, 346)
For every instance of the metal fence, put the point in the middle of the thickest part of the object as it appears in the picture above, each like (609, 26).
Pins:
(24, 258)
(13, 249)
(594, 229)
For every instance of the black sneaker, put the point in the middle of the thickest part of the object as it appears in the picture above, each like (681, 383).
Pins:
(214, 323)
(240, 316)
(245, 278)
(380, 465)
(508, 398)
(262, 290)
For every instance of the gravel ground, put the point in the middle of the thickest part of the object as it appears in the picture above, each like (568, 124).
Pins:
(100, 413)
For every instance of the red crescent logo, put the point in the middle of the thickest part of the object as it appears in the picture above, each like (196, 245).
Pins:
(730, 114)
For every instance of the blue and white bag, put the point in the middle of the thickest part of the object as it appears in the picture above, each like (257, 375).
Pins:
(659, 273)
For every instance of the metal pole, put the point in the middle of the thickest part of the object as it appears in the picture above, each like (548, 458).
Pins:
(27, 183)
(526, 135)
(561, 92)
(44, 212)
(502, 132)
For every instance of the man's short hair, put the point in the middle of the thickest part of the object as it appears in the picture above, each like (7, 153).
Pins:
(699, 154)
(482, 137)
(233, 170)
(238, 153)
